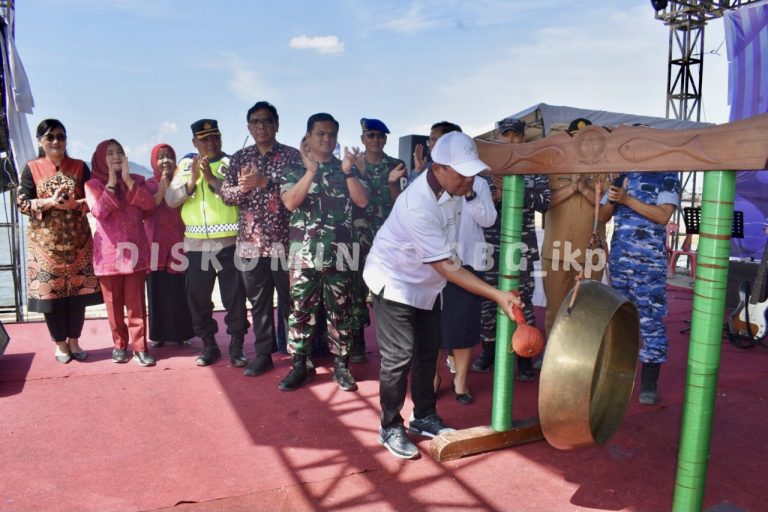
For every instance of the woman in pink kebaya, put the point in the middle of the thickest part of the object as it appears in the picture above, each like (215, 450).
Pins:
(118, 201)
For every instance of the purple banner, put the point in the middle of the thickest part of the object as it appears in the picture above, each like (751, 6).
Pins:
(746, 35)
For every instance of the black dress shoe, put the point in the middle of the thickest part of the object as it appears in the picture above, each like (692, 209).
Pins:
(210, 355)
(144, 359)
(119, 355)
(464, 398)
(260, 364)
(156, 343)
(79, 356)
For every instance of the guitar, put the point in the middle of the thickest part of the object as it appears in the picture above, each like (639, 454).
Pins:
(747, 324)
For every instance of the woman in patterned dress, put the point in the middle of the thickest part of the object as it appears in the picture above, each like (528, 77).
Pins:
(61, 281)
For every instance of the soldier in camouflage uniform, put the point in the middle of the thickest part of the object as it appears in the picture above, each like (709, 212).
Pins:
(641, 209)
(382, 173)
(537, 199)
(321, 193)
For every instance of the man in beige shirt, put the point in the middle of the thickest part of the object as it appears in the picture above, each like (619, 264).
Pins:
(568, 226)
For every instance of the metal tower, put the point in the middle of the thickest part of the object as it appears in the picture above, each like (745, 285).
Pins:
(685, 67)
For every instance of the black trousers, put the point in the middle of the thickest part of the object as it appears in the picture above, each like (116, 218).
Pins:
(199, 284)
(261, 279)
(409, 342)
(169, 318)
(66, 322)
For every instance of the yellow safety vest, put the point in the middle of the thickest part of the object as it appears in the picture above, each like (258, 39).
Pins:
(204, 213)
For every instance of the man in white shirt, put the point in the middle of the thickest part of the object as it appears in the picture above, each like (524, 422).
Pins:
(410, 262)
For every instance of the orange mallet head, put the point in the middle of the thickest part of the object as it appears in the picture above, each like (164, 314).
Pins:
(527, 341)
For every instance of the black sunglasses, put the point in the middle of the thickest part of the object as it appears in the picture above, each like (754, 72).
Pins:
(50, 137)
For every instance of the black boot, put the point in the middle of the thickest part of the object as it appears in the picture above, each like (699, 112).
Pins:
(484, 363)
(357, 350)
(210, 353)
(648, 379)
(236, 356)
(311, 371)
(298, 374)
(525, 369)
(260, 364)
(341, 374)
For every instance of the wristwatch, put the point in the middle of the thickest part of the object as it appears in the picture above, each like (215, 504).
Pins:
(471, 195)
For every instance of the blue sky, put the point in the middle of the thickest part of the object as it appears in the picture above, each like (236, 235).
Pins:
(142, 71)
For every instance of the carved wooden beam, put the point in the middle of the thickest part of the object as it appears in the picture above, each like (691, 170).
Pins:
(741, 145)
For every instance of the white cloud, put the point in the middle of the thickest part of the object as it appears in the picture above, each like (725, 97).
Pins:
(424, 15)
(578, 64)
(244, 81)
(323, 44)
(141, 151)
(414, 20)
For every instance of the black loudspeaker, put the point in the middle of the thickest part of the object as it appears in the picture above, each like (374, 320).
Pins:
(739, 271)
(4, 338)
(408, 145)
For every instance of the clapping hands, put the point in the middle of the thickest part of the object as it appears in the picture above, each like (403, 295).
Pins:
(350, 159)
(252, 177)
(396, 173)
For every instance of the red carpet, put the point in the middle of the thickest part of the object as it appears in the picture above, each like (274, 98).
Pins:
(97, 436)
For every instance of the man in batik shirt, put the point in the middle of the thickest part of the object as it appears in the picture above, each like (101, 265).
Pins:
(320, 194)
(383, 174)
(253, 183)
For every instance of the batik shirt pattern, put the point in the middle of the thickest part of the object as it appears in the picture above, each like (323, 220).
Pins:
(263, 223)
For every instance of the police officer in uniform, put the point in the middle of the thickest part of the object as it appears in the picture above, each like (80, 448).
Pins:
(210, 234)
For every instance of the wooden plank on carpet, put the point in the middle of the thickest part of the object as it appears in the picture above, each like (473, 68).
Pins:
(469, 441)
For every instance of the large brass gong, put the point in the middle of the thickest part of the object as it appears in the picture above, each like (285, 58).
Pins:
(589, 367)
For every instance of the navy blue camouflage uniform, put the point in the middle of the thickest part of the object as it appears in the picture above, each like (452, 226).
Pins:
(638, 258)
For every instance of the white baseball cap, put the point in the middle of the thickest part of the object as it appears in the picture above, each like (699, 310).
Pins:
(458, 151)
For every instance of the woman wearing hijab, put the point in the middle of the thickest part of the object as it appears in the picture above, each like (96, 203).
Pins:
(169, 318)
(121, 253)
(61, 282)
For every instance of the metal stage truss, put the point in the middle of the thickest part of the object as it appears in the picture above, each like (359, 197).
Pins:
(11, 274)
(685, 64)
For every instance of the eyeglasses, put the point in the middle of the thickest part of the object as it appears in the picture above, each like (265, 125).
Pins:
(51, 137)
(265, 122)
(375, 135)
